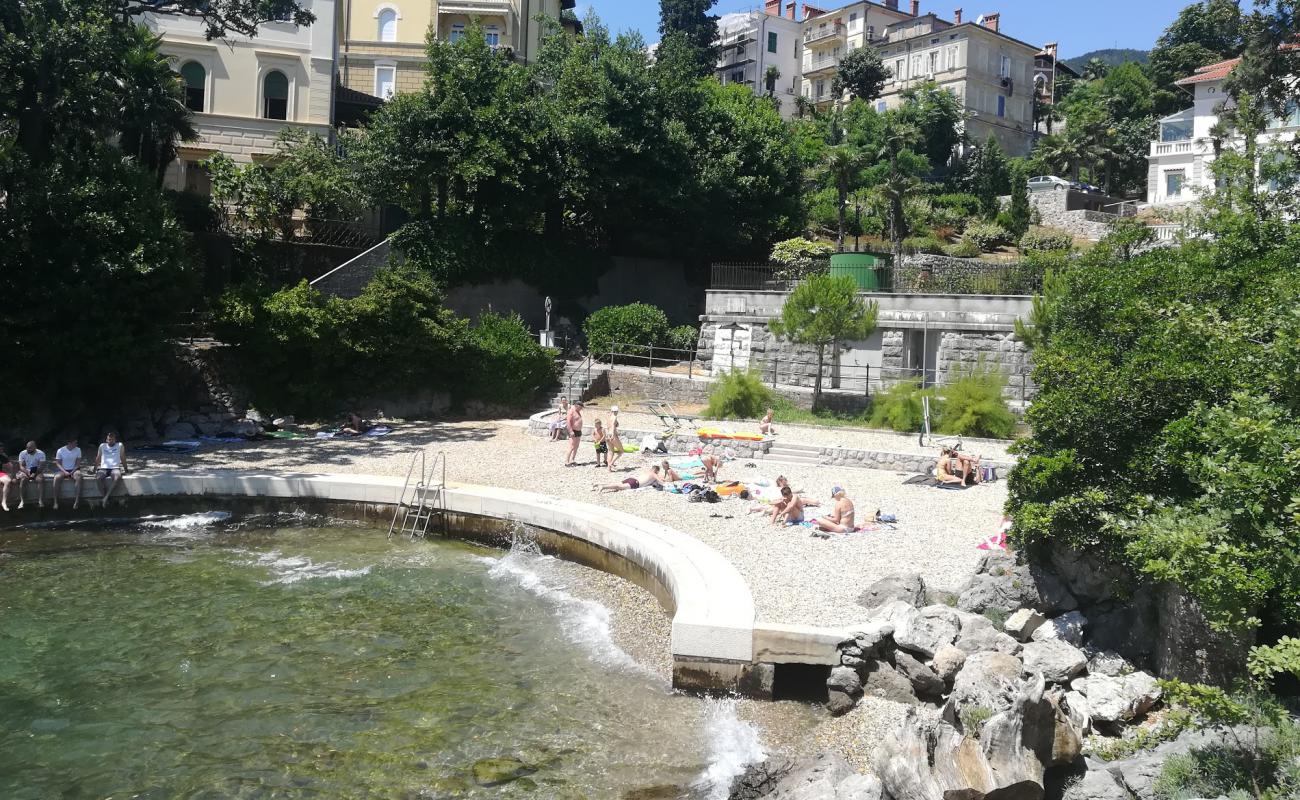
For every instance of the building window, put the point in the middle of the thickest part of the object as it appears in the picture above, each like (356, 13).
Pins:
(457, 33)
(275, 95)
(900, 67)
(771, 42)
(492, 35)
(821, 89)
(197, 179)
(1002, 106)
(385, 81)
(954, 53)
(195, 78)
(881, 106)
(738, 76)
(1174, 181)
(853, 21)
(388, 25)
(1004, 68)
(871, 32)
(934, 63)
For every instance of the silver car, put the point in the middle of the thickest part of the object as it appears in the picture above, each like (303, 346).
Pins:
(1045, 182)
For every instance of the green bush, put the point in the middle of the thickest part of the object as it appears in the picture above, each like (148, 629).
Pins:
(507, 362)
(1046, 239)
(1270, 771)
(964, 248)
(682, 337)
(965, 205)
(1006, 222)
(986, 236)
(924, 244)
(973, 406)
(799, 257)
(900, 407)
(739, 395)
(631, 329)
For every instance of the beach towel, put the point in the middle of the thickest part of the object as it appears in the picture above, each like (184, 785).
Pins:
(326, 434)
(378, 430)
(223, 439)
(920, 480)
(168, 447)
(716, 433)
(285, 435)
(997, 541)
(828, 534)
(688, 462)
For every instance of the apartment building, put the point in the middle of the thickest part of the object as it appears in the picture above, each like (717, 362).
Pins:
(244, 91)
(1181, 156)
(990, 72)
(382, 42)
(751, 42)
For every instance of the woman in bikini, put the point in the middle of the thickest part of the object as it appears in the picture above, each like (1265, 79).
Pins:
(612, 437)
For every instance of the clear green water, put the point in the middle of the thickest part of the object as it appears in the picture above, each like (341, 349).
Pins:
(229, 661)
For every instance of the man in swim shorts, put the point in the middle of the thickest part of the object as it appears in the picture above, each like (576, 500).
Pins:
(31, 467)
(574, 424)
(649, 479)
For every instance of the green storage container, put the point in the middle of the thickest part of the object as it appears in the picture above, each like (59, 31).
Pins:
(864, 268)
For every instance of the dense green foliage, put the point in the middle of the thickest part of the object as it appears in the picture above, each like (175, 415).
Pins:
(1049, 239)
(862, 74)
(900, 407)
(987, 236)
(1112, 56)
(625, 330)
(821, 311)
(973, 405)
(689, 32)
(505, 363)
(799, 257)
(738, 394)
(1019, 213)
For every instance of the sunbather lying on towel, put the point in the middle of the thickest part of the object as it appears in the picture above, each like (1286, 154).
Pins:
(644, 481)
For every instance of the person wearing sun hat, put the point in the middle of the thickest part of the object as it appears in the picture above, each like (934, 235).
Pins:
(840, 520)
(615, 441)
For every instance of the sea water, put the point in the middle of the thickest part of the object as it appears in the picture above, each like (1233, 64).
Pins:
(207, 656)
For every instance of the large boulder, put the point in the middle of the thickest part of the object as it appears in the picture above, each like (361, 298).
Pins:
(1188, 649)
(979, 635)
(905, 586)
(1115, 700)
(843, 688)
(180, 430)
(1000, 583)
(1067, 627)
(925, 683)
(947, 662)
(925, 631)
(1057, 660)
(1127, 627)
(1106, 662)
(985, 681)
(1088, 577)
(883, 681)
(1096, 784)
(1022, 624)
(931, 759)
(1075, 706)
(823, 777)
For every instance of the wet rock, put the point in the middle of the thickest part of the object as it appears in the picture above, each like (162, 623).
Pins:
(905, 586)
(1023, 623)
(925, 631)
(948, 661)
(500, 771)
(1067, 627)
(1057, 660)
(925, 683)
(824, 777)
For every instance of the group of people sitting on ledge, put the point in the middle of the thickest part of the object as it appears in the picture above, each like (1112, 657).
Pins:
(31, 468)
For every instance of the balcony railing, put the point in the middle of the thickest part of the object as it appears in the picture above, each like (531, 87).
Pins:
(495, 7)
(823, 33)
(974, 277)
(1172, 148)
(814, 65)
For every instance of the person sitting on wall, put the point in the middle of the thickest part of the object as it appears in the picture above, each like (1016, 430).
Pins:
(31, 468)
(67, 462)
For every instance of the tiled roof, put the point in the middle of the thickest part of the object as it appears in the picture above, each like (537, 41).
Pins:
(1211, 72)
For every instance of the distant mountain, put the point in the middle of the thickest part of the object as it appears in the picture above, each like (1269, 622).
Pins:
(1111, 57)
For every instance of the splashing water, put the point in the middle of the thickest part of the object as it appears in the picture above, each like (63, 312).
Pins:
(292, 569)
(186, 521)
(733, 745)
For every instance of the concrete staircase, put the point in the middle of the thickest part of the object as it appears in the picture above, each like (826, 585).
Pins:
(791, 454)
(573, 380)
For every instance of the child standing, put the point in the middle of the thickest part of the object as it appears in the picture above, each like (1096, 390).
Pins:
(602, 445)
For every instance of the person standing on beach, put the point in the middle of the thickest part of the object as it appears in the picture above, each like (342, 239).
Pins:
(615, 441)
(574, 423)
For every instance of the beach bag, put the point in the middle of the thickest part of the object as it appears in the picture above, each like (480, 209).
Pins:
(988, 473)
(711, 497)
(887, 518)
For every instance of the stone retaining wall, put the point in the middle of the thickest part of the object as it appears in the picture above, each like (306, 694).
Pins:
(674, 388)
(1053, 213)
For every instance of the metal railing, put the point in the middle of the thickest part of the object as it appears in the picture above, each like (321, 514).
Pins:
(823, 32)
(650, 356)
(941, 277)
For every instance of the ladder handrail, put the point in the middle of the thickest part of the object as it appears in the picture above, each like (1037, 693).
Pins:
(416, 512)
(401, 497)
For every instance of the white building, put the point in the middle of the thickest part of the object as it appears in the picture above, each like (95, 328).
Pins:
(1184, 150)
(244, 91)
(750, 42)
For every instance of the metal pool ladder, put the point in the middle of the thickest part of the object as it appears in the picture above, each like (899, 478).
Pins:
(418, 503)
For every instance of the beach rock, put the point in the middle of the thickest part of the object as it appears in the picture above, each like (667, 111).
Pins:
(1127, 628)
(979, 635)
(843, 689)
(1067, 738)
(872, 640)
(1188, 649)
(499, 771)
(1000, 583)
(1096, 784)
(823, 777)
(984, 681)
(1057, 660)
(1116, 700)
(947, 662)
(242, 427)
(1075, 706)
(210, 428)
(1106, 662)
(253, 415)
(925, 631)
(885, 682)
(905, 586)
(925, 683)
(283, 422)
(180, 430)
(1067, 627)
(1023, 623)
(1087, 576)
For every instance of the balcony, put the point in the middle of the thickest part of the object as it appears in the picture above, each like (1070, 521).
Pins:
(739, 38)
(825, 33)
(817, 66)
(499, 8)
(1187, 147)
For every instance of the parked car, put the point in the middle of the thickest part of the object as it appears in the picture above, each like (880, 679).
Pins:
(1045, 182)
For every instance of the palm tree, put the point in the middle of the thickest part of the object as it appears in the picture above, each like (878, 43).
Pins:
(770, 77)
(153, 116)
(842, 166)
(898, 176)
(1069, 151)
(1095, 69)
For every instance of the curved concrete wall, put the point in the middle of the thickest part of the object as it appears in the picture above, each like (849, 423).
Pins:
(713, 622)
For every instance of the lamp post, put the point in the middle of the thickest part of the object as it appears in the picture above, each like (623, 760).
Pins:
(546, 337)
(857, 224)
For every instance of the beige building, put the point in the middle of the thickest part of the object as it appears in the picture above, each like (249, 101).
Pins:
(382, 42)
(990, 72)
(244, 91)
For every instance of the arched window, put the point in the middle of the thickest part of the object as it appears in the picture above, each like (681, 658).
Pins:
(275, 95)
(195, 78)
(388, 25)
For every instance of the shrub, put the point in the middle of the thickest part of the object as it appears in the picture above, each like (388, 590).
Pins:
(798, 257)
(964, 248)
(739, 395)
(986, 236)
(900, 407)
(632, 328)
(965, 205)
(507, 362)
(1046, 239)
(682, 337)
(973, 406)
(923, 244)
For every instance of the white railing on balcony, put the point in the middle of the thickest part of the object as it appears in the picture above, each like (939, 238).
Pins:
(822, 32)
(1167, 233)
(475, 7)
(814, 64)
(1172, 148)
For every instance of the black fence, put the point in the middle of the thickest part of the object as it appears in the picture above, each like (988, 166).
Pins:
(941, 276)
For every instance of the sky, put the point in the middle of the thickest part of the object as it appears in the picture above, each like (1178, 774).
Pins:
(1079, 26)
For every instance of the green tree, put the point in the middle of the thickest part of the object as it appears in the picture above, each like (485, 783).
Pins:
(841, 169)
(862, 74)
(821, 311)
(1095, 69)
(687, 24)
(939, 115)
(219, 17)
(987, 175)
(770, 76)
(1203, 33)
(1019, 211)
(896, 176)
(153, 113)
